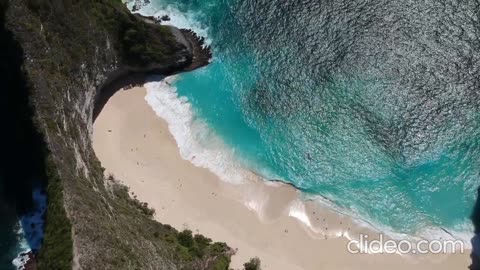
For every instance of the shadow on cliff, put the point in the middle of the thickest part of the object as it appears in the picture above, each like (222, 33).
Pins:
(22, 165)
(123, 83)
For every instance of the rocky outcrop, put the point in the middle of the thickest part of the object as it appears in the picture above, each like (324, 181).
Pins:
(138, 4)
(193, 55)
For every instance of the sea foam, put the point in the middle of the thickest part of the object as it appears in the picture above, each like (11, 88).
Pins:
(196, 141)
(31, 229)
(179, 19)
(22, 248)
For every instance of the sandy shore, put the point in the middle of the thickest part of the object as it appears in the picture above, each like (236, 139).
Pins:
(254, 217)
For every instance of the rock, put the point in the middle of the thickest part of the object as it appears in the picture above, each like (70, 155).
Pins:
(165, 18)
(28, 260)
(139, 4)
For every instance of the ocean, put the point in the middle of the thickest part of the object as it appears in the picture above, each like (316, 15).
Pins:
(21, 232)
(372, 105)
(9, 247)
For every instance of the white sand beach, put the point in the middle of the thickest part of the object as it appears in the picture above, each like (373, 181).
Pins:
(254, 217)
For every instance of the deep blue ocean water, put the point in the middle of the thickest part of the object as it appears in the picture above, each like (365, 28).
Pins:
(371, 104)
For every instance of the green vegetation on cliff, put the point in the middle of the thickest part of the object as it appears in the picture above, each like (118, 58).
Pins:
(67, 51)
(57, 250)
(140, 43)
(137, 42)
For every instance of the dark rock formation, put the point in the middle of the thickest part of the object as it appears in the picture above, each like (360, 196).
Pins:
(201, 52)
(139, 4)
(30, 261)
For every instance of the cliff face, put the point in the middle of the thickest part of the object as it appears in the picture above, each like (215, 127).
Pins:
(70, 50)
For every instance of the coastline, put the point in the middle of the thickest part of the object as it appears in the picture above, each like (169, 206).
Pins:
(198, 55)
(259, 218)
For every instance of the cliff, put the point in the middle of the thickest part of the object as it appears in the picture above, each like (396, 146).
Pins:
(58, 59)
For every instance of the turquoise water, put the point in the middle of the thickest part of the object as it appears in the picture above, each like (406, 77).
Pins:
(345, 100)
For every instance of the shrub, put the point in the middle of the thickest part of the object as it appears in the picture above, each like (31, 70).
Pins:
(57, 249)
(185, 238)
(202, 241)
(218, 247)
(221, 263)
(253, 264)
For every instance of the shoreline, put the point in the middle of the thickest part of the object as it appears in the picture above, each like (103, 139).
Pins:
(127, 77)
(264, 219)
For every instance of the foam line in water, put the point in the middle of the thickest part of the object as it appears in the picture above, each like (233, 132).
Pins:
(196, 141)
(461, 232)
(22, 249)
(186, 20)
(31, 229)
